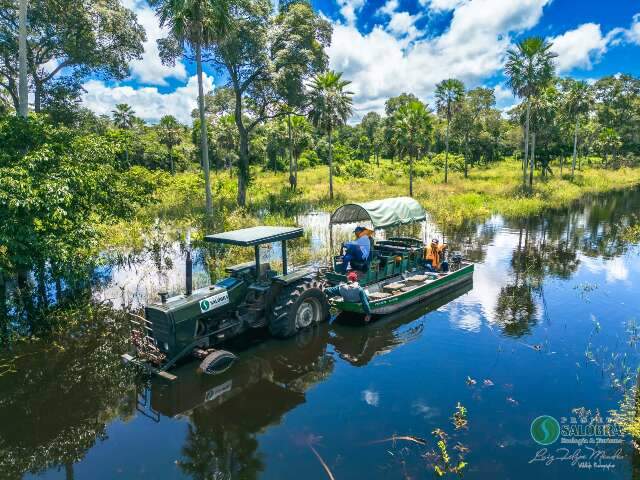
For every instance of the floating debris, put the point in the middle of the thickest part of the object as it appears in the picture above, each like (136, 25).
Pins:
(406, 438)
(461, 448)
(512, 401)
(322, 462)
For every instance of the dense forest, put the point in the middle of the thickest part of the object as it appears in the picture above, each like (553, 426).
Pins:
(65, 171)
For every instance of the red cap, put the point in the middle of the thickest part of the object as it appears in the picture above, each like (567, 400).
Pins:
(352, 276)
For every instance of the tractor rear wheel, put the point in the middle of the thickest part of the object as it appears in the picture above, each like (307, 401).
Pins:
(298, 307)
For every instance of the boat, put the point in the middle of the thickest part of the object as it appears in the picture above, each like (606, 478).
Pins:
(397, 293)
(394, 277)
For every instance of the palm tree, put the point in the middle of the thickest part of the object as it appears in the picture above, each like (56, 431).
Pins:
(412, 130)
(330, 106)
(449, 94)
(123, 118)
(578, 102)
(529, 68)
(193, 25)
(169, 130)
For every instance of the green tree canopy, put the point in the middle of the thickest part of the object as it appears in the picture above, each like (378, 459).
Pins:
(68, 38)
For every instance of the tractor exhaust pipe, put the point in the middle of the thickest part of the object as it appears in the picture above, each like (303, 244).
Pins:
(189, 266)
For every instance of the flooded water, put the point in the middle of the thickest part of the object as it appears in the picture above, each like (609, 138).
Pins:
(549, 326)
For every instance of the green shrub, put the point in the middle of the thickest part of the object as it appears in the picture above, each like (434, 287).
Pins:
(354, 169)
(423, 169)
(308, 159)
(456, 162)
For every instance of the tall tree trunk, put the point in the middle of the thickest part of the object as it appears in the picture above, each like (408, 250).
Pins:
(533, 159)
(204, 141)
(243, 159)
(68, 471)
(466, 156)
(446, 153)
(330, 167)
(37, 96)
(410, 175)
(292, 183)
(173, 171)
(23, 87)
(243, 168)
(575, 148)
(526, 145)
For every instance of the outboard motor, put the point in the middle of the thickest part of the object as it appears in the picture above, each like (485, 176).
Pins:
(456, 260)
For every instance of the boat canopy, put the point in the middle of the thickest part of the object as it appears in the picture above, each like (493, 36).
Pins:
(252, 236)
(388, 212)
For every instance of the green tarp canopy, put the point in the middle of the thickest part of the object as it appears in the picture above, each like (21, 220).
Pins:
(252, 236)
(381, 213)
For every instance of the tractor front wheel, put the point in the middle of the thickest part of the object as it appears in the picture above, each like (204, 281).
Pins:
(298, 307)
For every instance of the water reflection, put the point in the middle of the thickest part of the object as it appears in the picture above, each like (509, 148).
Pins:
(226, 412)
(58, 403)
(350, 383)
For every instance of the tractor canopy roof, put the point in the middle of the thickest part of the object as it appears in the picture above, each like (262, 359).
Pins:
(248, 237)
(388, 212)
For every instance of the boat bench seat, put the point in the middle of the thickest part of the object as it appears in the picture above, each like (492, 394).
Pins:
(392, 287)
(418, 279)
(378, 295)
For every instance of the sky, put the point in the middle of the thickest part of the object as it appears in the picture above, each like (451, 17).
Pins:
(387, 47)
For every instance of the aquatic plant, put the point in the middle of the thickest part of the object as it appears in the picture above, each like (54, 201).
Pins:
(626, 416)
(443, 463)
(460, 417)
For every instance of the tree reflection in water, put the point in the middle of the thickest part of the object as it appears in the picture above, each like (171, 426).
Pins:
(57, 404)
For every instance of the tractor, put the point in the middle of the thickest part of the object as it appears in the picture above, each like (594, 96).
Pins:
(252, 296)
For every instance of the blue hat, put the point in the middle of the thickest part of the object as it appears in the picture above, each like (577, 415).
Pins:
(359, 229)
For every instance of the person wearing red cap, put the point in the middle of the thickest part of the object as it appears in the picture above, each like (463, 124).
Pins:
(351, 292)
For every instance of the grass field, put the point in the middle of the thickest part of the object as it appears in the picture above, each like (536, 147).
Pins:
(496, 189)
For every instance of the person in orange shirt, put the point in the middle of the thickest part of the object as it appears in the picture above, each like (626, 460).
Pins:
(434, 256)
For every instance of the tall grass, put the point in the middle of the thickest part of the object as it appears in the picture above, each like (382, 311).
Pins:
(488, 190)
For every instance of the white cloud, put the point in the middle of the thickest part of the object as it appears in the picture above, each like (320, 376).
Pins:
(442, 5)
(633, 33)
(581, 47)
(388, 8)
(149, 69)
(147, 102)
(402, 25)
(349, 8)
(505, 99)
(472, 49)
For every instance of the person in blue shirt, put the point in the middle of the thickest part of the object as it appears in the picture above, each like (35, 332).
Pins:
(351, 292)
(359, 249)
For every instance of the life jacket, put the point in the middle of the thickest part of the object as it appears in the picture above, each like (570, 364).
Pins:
(433, 254)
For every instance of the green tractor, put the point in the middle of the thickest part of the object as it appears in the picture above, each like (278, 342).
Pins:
(252, 296)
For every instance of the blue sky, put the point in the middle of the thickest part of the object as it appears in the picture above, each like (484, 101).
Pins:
(387, 47)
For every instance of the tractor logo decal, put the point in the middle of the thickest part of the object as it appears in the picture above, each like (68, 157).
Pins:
(207, 304)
